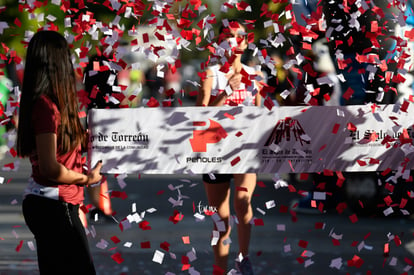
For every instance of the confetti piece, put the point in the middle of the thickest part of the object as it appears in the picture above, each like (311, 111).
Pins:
(270, 204)
(281, 227)
(215, 238)
(235, 161)
(356, 261)
(186, 239)
(19, 246)
(117, 258)
(146, 245)
(335, 128)
(258, 222)
(404, 106)
(165, 246)
(353, 218)
(303, 243)
(115, 239)
(158, 257)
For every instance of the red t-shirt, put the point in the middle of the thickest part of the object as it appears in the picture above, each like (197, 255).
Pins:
(46, 119)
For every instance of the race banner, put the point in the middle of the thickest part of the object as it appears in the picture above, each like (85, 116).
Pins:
(195, 140)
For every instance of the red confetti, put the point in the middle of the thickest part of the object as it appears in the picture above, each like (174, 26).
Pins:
(356, 262)
(353, 218)
(283, 209)
(258, 222)
(322, 147)
(144, 225)
(397, 241)
(217, 270)
(300, 260)
(361, 163)
(386, 249)
(235, 161)
(335, 128)
(118, 194)
(115, 239)
(351, 127)
(152, 103)
(336, 242)
(404, 106)
(117, 258)
(303, 243)
(340, 208)
(17, 22)
(19, 246)
(229, 116)
(13, 152)
(261, 184)
(268, 103)
(176, 217)
(165, 246)
(347, 95)
(319, 225)
(146, 244)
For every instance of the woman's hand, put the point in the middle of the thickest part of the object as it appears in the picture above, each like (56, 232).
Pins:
(94, 175)
(234, 80)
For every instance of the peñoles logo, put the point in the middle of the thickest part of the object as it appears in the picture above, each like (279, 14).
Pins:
(283, 130)
(213, 134)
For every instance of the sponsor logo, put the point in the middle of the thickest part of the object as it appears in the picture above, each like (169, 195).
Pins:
(287, 129)
(206, 209)
(120, 141)
(211, 135)
(204, 160)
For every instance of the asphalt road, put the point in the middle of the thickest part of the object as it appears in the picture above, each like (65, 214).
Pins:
(283, 242)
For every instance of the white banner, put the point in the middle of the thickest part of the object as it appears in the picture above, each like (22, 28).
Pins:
(194, 140)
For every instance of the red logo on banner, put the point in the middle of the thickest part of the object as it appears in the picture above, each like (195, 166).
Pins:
(284, 130)
(213, 134)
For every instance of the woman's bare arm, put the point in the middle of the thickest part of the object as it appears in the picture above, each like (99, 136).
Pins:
(46, 145)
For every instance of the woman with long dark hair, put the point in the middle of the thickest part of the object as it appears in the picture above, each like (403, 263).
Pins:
(51, 135)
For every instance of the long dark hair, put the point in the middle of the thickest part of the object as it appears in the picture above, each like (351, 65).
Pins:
(49, 71)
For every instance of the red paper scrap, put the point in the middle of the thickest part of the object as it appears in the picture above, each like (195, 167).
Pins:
(386, 249)
(356, 261)
(397, 241)
(186, 239)
(144, 225)
(165, 246)
(235, 161)
(303, 243)
(176, 217)
(115, 239)
(404, 106)
(19, 246)
(351, 127)
(229, 116)
(258, 222)
(353, 218)
(117, 258)
(348, 94)
(118, 194)
(335, 128)
(336, 242)
(268, 103)
(146, 244)
(340, 208)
